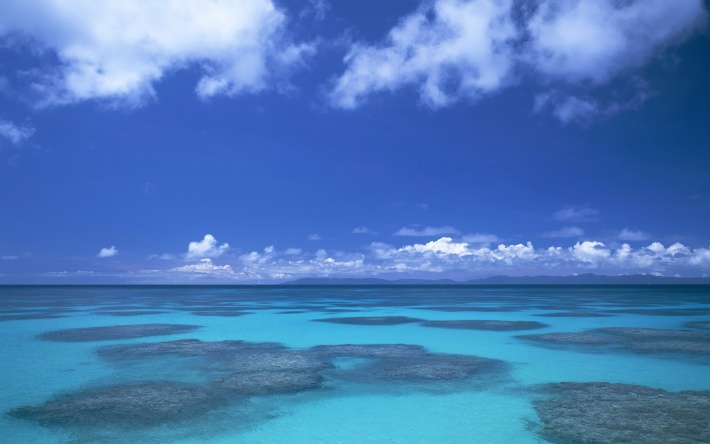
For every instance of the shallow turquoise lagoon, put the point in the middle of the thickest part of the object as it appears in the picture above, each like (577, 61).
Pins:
(117, 364)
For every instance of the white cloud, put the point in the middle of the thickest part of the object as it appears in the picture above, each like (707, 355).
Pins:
(118, 50)
(9, 258)
(206, 248)
(565, 232)
(108, 252)
(631, 235)
(15, 133)
(592, 252)
(426, 231)
(443, 246)
(465, 49)
(595, 40)
(449, 50)
(314, 237)
(206, 267)
(577, 214)
(443, 257)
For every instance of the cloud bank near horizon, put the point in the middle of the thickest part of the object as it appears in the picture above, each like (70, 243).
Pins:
(443, 257)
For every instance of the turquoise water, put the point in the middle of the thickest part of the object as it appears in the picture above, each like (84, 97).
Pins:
(351, 403)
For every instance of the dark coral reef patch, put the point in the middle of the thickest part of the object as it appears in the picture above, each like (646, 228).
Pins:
(489, 325)
(601, 412)
(125, 405)
(575, 314)
(114, 332)
(370, 320)
(408, 363)
(235, 370)
(662, 342)
(701, 325)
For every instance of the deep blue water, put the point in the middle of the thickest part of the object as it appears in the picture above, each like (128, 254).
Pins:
(139, 378)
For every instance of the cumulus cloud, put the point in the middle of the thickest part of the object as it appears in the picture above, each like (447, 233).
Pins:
(594, 40)
(450, 50)
(590, 251)
(576, 214)
(632, 235)
(118, 50)
(444, 257)
(443, 246)
(205, 248)
(206, 268)
(15, 133)
(565, 232)
(108, 252)
(426, 231)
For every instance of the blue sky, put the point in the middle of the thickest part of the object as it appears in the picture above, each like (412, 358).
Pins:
(262, 141)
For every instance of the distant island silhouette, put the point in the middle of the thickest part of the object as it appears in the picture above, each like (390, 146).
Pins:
(579, 279)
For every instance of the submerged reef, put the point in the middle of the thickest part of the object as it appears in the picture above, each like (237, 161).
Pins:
(600, 413)
(125, 405)
(129, 312)
(486, 325)
(454, 309)
(575, 314)
(408, 363)
(663, 342)
(268, 382)
(113, 332)
(370, 320)
(664, 311)
(702, 325)
(233, 371)
(28, 316)
(222, 313)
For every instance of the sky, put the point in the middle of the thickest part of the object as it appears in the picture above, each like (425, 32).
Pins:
(260, 141)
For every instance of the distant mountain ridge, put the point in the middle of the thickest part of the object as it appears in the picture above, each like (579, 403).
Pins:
(580, 279)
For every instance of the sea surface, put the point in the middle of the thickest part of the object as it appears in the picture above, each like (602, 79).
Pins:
(354, 364)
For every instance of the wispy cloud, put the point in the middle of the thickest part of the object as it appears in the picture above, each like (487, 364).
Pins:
(576, 214)
(206, 248)
(449, 50)
(108, 252)
(484, 239)
(314, 237)
(15, 133)
(363, 230)
(117, 51)
(426, 231)
(633, 235)
(564, 232)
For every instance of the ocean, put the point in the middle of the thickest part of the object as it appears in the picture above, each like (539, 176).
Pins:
(354, 364)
